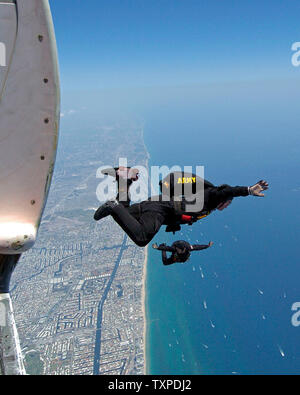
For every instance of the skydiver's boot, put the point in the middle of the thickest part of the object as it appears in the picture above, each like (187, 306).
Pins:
(123, 172)
(105, 210)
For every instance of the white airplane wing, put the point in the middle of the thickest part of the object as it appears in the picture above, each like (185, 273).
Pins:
(29, 119)
(29, 123)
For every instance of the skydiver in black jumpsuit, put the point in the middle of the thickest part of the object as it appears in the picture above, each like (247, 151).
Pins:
(181, 251)
(141, 221)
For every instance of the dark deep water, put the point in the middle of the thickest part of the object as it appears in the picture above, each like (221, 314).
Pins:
(249, 280)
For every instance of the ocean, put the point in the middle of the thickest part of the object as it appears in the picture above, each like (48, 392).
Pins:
(228, 310)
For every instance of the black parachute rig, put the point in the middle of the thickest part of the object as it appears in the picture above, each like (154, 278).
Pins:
(183, 188)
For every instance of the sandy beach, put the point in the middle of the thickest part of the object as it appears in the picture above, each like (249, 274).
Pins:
(145, 266)
(144, 303)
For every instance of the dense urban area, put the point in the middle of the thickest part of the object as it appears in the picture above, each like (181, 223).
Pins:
(78, 294)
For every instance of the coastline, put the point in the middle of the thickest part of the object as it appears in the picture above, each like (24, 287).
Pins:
(144, 306)
(145, 270)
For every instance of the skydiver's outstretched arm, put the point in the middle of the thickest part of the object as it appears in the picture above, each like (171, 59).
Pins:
(164, 247)
(227, 192)
(199, 247)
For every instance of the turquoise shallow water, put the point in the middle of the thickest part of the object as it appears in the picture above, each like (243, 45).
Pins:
(228, 310)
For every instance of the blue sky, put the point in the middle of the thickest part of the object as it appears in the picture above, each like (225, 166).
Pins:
(213, 80)
(137, 43)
